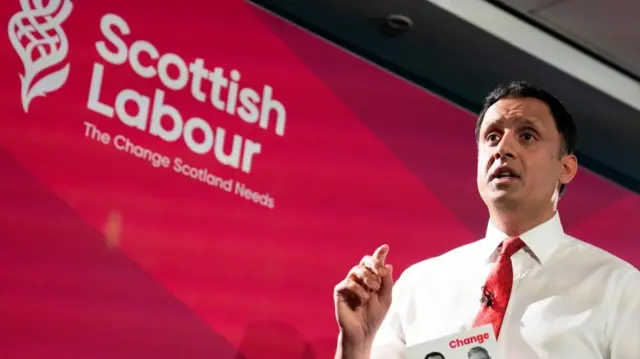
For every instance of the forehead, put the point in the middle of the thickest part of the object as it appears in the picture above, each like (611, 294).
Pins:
(519, 111)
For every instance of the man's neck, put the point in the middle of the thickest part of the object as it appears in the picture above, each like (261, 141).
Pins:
(513, 222)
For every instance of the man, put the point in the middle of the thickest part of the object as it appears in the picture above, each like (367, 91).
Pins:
(478, 353)
(566, 298)
(434, 355)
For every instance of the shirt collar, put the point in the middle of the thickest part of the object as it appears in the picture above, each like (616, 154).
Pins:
(542, 240)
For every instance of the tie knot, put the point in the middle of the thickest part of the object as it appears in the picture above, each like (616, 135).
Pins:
(510, 246)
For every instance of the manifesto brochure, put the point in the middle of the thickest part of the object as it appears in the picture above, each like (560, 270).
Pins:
(477, 343)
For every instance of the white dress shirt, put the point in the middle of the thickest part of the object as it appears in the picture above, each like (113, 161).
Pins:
(569, 299)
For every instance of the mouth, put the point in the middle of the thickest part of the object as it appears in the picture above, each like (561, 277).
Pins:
(504, 175)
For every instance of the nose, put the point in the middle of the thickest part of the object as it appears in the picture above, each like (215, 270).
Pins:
(505, 148)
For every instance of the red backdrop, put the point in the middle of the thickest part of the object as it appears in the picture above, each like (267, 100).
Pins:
(104, 255)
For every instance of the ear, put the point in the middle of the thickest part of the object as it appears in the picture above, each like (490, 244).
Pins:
(569, 168)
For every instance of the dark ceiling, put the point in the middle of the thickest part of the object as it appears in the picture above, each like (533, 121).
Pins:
(609, 31)
(461, 62)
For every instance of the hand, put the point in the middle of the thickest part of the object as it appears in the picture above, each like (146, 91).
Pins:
(363, 298)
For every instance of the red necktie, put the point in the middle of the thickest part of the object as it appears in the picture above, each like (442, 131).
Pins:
(497, 289)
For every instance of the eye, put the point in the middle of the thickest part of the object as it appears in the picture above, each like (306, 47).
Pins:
(528, 136)
(493, 137)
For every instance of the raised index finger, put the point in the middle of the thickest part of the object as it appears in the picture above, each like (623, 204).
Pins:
(381, 253)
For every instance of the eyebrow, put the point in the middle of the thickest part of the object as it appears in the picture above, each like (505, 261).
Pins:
(519, 120)
(528, 122)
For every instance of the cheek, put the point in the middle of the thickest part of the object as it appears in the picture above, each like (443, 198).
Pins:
(481, 174)
(480, 170)
(544, 179)
(482, 162)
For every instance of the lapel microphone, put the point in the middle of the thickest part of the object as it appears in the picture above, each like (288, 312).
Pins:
(487, 298)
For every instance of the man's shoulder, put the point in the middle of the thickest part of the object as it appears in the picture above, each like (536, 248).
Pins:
(590, 253)
(619, 272)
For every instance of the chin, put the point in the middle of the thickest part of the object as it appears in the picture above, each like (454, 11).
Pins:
(500, 197)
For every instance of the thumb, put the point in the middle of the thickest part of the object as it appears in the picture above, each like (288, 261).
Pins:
(386, 286)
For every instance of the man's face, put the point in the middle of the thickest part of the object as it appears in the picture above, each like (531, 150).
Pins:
(479, 355)
(519, 154)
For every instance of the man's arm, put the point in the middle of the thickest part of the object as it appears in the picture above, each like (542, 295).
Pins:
(349, 350)
(389, 342)
(625, 341)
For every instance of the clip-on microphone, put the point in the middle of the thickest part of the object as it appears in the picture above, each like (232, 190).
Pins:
(487, 298)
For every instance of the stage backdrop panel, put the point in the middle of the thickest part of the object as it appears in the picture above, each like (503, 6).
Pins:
(191, 179)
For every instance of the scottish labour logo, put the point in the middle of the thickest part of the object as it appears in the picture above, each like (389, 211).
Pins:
(36, 34)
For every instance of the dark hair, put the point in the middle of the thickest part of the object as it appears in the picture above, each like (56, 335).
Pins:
(432, 354)
(478, 349)
(522, 89)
